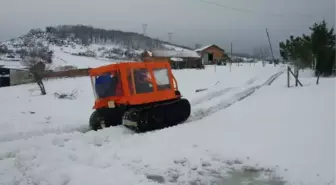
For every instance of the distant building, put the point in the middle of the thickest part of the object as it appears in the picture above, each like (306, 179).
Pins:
(4, 77)
(178, 59)
(212, 54)
(13, 73)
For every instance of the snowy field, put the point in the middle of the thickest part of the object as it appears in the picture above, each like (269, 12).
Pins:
(65, 59)
(246, 128)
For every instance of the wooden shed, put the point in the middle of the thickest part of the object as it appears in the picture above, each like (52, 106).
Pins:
(212, 54)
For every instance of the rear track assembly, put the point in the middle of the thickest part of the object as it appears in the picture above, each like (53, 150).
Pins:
(158, 116)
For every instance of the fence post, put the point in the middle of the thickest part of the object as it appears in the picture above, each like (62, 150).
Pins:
(297, 76)
(288, 77)
(318, 78)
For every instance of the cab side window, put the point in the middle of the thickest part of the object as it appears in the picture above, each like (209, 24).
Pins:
(162, 78)
(106, 84)
(142, 81)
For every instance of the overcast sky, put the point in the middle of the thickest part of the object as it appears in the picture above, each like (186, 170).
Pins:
(242, 22)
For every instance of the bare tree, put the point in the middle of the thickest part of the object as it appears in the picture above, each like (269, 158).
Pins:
(262, 53)
(34, 59)
(3, 49)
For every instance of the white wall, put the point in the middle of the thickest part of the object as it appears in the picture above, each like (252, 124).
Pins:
(20, 77)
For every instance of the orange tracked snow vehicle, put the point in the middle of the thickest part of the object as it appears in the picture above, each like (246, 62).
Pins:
(142, 96)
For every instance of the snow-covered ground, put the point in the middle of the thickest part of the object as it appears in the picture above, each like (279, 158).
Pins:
(65, 59)
(247, 127)
(67, 55)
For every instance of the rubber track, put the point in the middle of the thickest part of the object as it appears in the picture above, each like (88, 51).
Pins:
(159, 116)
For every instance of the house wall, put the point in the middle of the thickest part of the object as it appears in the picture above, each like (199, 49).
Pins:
(217, 53)
(193, 62)
(205, 60)
(18, 77)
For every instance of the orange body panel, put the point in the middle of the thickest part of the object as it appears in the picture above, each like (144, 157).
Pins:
(128, 97)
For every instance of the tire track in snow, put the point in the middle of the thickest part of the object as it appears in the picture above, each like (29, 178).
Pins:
(202, 113)
(210, 96)
(251, 81)
(215, 94)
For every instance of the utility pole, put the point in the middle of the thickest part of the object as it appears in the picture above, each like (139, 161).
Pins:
(269, 41)
(144, 29)
(170, 37)
(231, 57)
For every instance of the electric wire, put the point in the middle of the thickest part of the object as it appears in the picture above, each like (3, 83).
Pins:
(243, 10)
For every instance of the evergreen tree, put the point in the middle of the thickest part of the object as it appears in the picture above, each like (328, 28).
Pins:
(317, 47)
(323, 47)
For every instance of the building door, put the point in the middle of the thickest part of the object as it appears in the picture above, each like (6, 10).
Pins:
(4, 77)
(210, 57)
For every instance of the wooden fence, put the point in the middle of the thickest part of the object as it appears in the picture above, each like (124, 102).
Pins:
(67, 73)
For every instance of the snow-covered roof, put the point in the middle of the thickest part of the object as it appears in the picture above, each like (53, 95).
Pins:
(177, 54)
(149, 53)
(176, 59)
(12, 65)
(203, 48)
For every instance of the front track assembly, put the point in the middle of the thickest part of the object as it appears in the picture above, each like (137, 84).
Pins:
(159, 116)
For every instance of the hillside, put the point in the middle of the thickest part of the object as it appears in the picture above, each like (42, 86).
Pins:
(79, 40)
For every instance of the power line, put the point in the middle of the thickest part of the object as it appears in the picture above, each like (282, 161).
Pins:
(254, 12)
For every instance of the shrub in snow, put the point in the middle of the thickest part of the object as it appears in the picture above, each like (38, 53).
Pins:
(3, 49)
(87, 53)
(69, 96)
(41, 52)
